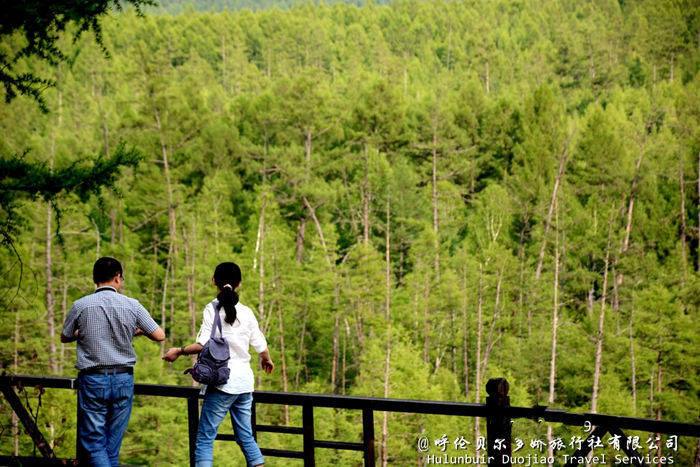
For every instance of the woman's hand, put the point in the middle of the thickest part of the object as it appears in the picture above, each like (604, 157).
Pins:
(172, 354)
(266, 362)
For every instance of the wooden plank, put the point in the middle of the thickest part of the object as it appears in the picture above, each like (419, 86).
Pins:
(340, 445)
(28, 461)
(282, 453)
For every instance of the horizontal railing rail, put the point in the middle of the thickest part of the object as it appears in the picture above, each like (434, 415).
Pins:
(497, 412)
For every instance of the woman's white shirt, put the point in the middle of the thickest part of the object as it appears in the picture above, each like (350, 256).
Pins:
(240, 336)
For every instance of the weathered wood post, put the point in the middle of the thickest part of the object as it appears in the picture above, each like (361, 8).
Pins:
(498, 432)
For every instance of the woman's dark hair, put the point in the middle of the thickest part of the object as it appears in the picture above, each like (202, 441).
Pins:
(227, 276)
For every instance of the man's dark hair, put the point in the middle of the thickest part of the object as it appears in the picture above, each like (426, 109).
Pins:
(105, 269)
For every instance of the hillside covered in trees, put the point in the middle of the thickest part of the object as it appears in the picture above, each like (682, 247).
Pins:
(421, 195)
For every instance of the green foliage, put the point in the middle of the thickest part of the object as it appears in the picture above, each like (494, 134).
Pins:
(295, 141)
(40, 25)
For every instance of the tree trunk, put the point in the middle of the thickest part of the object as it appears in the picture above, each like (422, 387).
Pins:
(172, 226)
(49, 261)
(477, 383)
(260, 253)
(365, 199)
(488, 79)
(426, 320)
(633, 193)
(658, 406)
(336, 345)
(189, 277)
(155, 270)
(521, 262)
(465, 351)
(651, 393)
(345, 339)
(223, 62)
(672, 60)
(307, 153)
(64, 313)
(436, 240)
(164, 298)
(697, 208)
(633, 375)
(98, 240)
(336, 291)
(601, 321)
(555, 324)
(15, 367)
(496, 314)
(387, 319)
(49, 293)
(120, 222)
(557, 182)
(681, 183)
(301, 348)
(300, 239)
(283, 359)
(112, 226)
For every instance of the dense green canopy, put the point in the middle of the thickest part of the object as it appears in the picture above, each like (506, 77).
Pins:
(421, 196)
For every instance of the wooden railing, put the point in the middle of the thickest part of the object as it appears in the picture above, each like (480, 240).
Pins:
(497, 411)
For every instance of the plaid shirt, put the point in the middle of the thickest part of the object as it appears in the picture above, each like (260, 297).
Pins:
(106, 321)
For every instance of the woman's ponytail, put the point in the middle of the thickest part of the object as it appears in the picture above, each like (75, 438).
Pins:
(228, 299)
(227, 277)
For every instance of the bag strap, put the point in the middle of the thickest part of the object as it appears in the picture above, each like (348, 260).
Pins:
(217, 320)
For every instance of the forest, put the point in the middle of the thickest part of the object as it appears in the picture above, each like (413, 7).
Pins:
(422, 195)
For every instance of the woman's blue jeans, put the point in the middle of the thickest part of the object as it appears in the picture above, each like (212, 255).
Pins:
(214, 409)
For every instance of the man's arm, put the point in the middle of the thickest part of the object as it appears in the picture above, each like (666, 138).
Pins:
(158, 335)
(144, 323)
(65, 339)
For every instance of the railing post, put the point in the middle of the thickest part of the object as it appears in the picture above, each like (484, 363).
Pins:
(368, 436)
(307, 416)
(192, 424)
(498, 430)
(253, 421)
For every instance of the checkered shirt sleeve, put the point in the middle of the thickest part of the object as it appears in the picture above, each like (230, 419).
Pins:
(106, 322)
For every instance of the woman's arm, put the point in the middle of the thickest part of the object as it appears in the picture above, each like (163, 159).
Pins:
(266, 362)
(174, 352)
(202, 337)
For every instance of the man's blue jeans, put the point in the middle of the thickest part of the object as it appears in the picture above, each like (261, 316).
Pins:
(214, 409)
(104, 408)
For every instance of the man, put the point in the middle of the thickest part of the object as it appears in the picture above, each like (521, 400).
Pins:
(104, 323)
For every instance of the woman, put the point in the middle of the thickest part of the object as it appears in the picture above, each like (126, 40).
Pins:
(240, 328)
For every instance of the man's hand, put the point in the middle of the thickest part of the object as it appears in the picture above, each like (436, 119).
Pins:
(139, 332)
(172, 354)
(67, 339)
